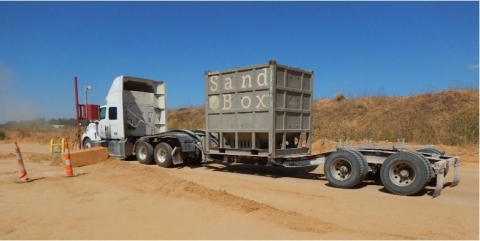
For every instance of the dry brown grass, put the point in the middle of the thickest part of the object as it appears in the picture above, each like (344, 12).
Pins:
(340, 97)
(41, 137)
(449, 118)
(188, 118)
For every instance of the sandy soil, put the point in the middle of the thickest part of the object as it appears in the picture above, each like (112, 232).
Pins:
(125, 200)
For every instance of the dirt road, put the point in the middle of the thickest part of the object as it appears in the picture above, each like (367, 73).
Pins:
(126, 200)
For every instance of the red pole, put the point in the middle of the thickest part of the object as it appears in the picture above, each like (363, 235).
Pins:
(77, 109)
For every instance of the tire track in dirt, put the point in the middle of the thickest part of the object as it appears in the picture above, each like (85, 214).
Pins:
(151, 180)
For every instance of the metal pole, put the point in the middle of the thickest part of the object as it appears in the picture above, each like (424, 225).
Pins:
(77, 109)
(86, 104)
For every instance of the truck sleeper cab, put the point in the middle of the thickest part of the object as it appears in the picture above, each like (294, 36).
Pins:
(135, 107)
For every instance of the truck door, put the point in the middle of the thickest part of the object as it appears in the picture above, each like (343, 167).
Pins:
(114, 123)
(109, 123)
(102, 123)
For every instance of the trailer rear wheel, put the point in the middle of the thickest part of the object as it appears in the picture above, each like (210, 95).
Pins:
(163, 155)
(431, 151)
(365, 163)
(405, 173)
(344, 169)
(144, 152)
(435, 151)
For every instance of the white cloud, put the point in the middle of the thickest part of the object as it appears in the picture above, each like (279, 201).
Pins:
(473, 66)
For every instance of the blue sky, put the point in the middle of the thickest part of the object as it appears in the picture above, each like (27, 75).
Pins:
(355, 48)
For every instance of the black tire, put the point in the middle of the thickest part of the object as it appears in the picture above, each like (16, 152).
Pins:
(405, 173)
(344, 169)
(163, 155)
(435, 151)
(87, 143)
(365, 163)
(432, 151)
(144, 152)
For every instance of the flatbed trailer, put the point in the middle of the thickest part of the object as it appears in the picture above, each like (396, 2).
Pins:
(402, 169)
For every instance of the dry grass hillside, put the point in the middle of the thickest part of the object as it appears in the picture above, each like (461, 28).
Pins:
(41, 136)
(448, 118)
(189, 118)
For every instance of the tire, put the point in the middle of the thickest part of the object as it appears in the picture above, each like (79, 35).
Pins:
(344, 169)
(87, 143)
(432, 151)
(435, 151)
(365, 163)
(163, 155)
(405, 173)
(144, 152)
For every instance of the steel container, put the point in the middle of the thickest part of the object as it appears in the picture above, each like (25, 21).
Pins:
(262, 110)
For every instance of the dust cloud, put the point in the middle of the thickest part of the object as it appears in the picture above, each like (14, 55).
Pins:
(13, 105)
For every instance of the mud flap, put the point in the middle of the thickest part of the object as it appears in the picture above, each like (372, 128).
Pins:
(440, 167)
(439, 171)
(456, 176)
(177, 155)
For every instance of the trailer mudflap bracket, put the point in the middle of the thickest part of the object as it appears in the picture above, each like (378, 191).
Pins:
(440, 167)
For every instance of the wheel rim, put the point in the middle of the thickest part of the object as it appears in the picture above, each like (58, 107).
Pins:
(341, 169)
(87, 145)
(402, 174)
(142, 153)
(161, 155)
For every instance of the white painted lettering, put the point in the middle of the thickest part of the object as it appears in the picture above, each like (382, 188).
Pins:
(228, 83)
(263, 76)
(227, 102)
(213, 83)
(260, 101)
(248, 102)
(249, 78)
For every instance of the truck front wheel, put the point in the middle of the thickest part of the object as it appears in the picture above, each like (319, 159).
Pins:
(163, 155)
(87, 143)
(144, 152)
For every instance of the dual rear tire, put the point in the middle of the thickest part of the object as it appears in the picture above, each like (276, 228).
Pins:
(405, 173)
(402, 173)
(161, 154)
(144, 152)
(345, 168)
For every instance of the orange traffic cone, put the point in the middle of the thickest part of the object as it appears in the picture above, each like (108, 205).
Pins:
(22, 173)
(68, 162)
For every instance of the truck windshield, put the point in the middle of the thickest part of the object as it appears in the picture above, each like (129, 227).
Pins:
(102, 113)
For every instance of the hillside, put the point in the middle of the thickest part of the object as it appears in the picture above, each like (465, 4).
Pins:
(449, 118)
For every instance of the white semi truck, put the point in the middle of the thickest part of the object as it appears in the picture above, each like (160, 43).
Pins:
(260, 115)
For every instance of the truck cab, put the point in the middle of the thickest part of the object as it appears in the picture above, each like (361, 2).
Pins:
(135, 107)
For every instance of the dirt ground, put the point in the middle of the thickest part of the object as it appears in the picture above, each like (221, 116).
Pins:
(125, 200)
